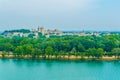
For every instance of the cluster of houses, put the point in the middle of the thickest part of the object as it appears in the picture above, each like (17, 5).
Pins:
(81, 33)
(34, 32)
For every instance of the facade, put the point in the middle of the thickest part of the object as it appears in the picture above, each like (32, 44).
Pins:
(48, 32)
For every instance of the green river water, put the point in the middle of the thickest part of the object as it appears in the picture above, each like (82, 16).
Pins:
(14, 69)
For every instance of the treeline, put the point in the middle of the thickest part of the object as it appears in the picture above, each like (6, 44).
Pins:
(19, 30)
(90, 46)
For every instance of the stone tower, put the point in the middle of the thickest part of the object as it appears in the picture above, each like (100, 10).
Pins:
(41, 29)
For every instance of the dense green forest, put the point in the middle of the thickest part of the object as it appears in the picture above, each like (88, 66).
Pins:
(94, 46)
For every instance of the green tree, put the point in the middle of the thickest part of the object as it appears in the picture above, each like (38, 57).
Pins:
(49, 50)
(31, 35)
(36, 52)
(19, 50)
(99, 52)
(73, 51)
(91, 52)
(4, 53)
(116, 52)
(27, 49)
(80, 48)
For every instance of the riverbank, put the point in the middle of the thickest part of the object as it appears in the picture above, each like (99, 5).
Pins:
(107, 58)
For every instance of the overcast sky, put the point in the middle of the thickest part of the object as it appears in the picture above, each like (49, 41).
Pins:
(60, 14)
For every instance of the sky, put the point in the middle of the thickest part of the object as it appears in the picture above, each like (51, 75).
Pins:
(99, 15)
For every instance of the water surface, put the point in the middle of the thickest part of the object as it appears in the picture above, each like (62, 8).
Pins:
(12, 69)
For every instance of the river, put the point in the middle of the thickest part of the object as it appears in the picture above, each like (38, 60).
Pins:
(14, 69)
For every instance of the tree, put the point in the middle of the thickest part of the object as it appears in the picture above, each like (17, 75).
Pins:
(49, 50)
(110, 43)
(80, 48)
(3, 54)
(27, 49)
(91, 52)
(116, 52)
(31, 35)
(99, 52)
(36, 52)
(40, 35)
(73, 51)
(19, 50)
(6, 47)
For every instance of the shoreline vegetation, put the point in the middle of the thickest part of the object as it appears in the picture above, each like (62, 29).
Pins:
(68, 47)
(61, 57)
(72, 58)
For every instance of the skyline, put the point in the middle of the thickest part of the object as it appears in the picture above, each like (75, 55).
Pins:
(98, 15)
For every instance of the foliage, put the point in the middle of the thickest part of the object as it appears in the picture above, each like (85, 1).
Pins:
(94, 46)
